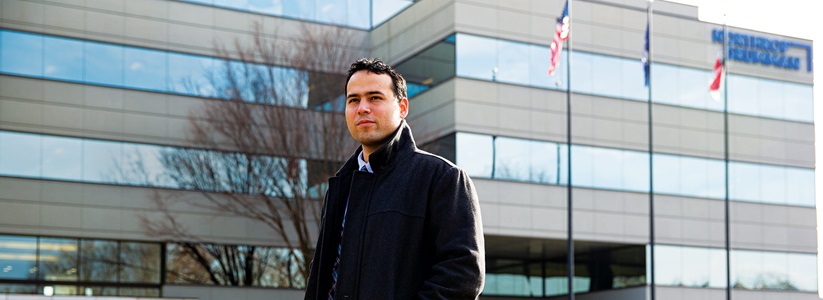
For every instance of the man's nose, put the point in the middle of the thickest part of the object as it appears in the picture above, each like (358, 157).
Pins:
(363, 107)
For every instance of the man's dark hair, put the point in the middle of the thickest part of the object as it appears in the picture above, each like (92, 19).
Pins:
(377, 66)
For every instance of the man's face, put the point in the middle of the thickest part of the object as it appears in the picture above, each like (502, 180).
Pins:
(372, 110)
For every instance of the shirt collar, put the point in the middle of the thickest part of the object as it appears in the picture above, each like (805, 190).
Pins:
(362, 163)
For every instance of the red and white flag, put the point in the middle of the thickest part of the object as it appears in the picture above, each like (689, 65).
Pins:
(714, 87)
(561, 34)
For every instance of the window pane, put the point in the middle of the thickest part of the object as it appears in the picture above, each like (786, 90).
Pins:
(773, 184)
(101, 161)
(104, 64)
(142, 166)
(799, 102)
(800, 187)
(358, 14)
(668, 267)
(272, 7)
(695, 266)
(140, 262)
(382, 10)
(717, 275)
(22, 53)
(191, 75)
(235, 4)
(145, 69)
(512, 62)
(63, 59)
(604, 69)
(98, 261)
(62, 158)
(744, 181)
(474, 154)
(802, 271)
(18, 257)
(58, 259)
(582, 74)
(747, 266)
(476, 57)
(633, 81)
(20, 154)
(331, 11)
(511, 159)
(665, 87)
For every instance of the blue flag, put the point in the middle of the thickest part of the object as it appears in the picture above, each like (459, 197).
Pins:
(645, 58)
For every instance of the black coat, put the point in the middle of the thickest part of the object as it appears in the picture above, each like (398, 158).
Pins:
(413, 228)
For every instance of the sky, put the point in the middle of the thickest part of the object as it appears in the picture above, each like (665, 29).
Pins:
(797, 18)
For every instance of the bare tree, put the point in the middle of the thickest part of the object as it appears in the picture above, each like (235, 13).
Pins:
(275, 135)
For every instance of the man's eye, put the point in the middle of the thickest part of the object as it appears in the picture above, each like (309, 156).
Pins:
(352, 100)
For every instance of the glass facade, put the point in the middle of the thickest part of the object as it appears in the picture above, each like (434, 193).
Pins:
(71, 266)
(197, 263)
(94, 267)
(518, 63)
(610, 267)
(57, 58)
(504, 158)
(751, 270)
(362, 14)
(97, 161)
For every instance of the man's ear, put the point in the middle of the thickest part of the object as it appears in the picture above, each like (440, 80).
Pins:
(404, 108)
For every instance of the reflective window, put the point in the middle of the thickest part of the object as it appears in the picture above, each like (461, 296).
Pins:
(191, 75)
(58, 259)
(103, 64)
(194, 263)
(139, 262)
(18, 257)
(145, 69)
(505, 61)
(771, 184)
(353, 13)
(770, 98)
(20, 154)
(690, 266)
(533, 161)
(62, 158)
(607, 168)
(22, 53)
(764, 270)
(610, 168)
(101, 161)
(429, 67)
(64, 265)
(98, 261)
(689, 176)
(63, 59)
(475, 154)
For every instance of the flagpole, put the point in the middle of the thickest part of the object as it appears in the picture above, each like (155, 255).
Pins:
(726, 158)
(651, 150)
(570, 214)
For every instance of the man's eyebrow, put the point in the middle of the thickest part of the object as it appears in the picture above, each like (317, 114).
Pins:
(366, 93)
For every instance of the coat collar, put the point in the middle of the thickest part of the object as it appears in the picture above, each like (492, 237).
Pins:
(400, 144)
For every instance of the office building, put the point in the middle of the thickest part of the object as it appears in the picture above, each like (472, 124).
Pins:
(98, 98)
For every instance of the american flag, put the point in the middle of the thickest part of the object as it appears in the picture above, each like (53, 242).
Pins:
(560, 36)
(714, 87)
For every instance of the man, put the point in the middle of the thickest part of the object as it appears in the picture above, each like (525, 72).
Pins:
(398, 222)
